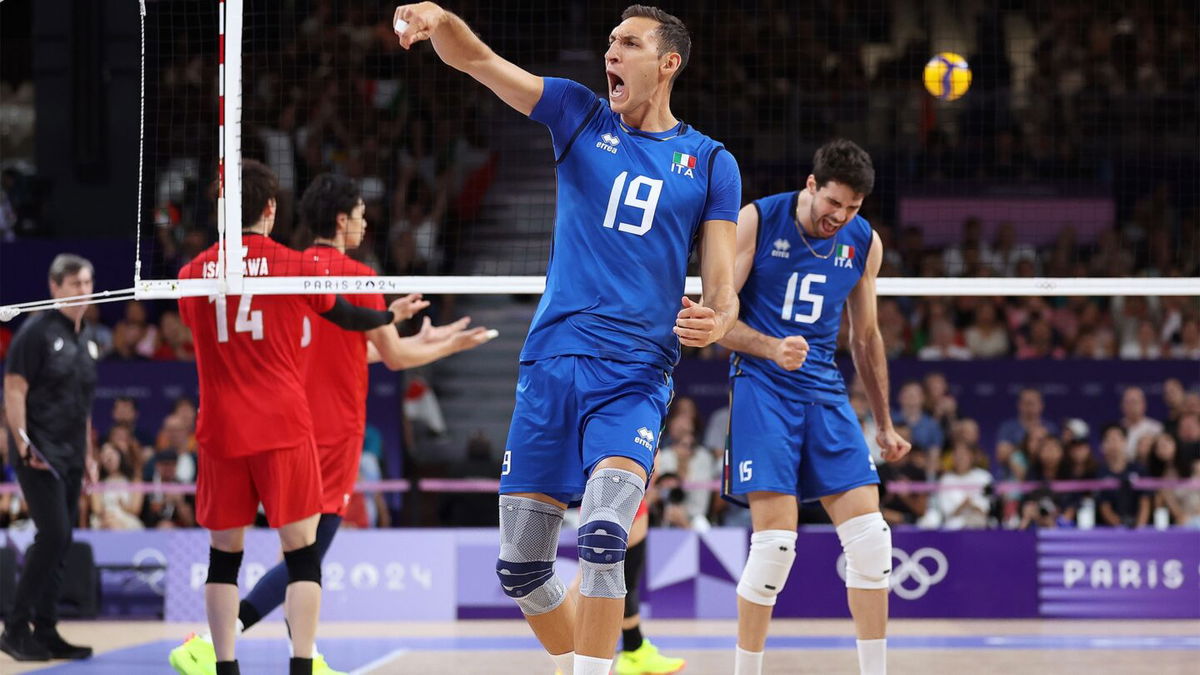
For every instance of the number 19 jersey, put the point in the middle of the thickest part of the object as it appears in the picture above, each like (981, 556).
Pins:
(630, 204)
(792, 291)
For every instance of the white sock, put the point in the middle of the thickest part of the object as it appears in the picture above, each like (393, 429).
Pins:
(747, 663)
(872, 657)
(565, 663)
(590, 665)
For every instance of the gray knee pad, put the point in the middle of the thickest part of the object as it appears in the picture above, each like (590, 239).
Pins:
(610, 502)
(528, 546)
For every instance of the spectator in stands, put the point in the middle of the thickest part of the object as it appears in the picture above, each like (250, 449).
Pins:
(1173, 399)
(925, 430)
(1144, 344)
(125, 413)
(961, 497)
(174, 447)
(693, 462)
(1081, 463)
(1189, 341)
(124, 343)
(114, 508)
(940, 405)
(943, 343)
(1029, 417)
(1041, 342)
(665, 501)
(1138, 427)
(987, 338)
(1122, 506)
(102, 335)
(176, 339)
(1188, 436)
(1007, 252)
(894, 327)
(165, 509)
(898, 507)
(972, 249)
(1184, 502)
(121, 439)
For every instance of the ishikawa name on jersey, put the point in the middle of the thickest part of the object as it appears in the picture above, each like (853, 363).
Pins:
(790, 291)
(630, 205)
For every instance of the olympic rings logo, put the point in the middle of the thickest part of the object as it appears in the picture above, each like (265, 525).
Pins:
(925, 568)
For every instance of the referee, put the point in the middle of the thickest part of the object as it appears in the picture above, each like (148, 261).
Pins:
(48, 387)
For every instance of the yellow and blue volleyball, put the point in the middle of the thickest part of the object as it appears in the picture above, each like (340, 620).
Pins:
(947, 76)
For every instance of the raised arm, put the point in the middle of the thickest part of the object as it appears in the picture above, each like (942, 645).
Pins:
(789, 353)
(870, 359)
(461, 49)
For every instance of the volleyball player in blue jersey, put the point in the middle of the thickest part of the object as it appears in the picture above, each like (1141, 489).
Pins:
(801, 257)
(636, 188)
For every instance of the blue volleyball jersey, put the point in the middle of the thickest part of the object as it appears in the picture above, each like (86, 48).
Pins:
(630, 205)
(790, 291)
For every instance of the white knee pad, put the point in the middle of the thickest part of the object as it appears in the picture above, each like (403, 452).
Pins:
(867, 543)
(772, 553)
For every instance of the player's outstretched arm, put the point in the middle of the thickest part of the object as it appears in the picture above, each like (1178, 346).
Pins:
(870, 359)
(461, 49)
(789, 352)
(431, 344)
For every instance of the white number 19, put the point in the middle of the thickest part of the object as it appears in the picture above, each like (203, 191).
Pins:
(633, 198)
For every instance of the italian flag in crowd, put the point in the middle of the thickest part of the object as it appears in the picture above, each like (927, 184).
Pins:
(845, 251)
(685, 160)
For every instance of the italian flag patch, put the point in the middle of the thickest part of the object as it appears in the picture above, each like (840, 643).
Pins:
(844, 251)
(687, 161)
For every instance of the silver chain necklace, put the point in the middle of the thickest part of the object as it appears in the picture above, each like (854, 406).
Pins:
(800, 229)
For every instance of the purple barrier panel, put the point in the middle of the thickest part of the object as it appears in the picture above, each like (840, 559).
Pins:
(981, 574)
(479, 592)
(1119, 573)
(1037, 219)
(368, 575)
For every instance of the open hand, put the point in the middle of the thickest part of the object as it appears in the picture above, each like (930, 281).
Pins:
(408, 306)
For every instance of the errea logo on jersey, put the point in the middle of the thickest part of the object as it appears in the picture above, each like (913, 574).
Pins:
(645, 438)
(782, 246)
(608, 143)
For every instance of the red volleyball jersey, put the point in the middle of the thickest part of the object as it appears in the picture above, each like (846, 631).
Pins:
(252, 396)
(334, 360)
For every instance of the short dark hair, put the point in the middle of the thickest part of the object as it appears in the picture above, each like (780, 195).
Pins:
(126, 399)
(259, 186)
(326, 197)
(672, 35)
(844, 161)
(68, 264)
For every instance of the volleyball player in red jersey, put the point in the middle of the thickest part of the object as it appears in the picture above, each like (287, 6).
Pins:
(334, 372)
(254, 430)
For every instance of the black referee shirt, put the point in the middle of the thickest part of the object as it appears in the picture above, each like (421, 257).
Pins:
(60, 367)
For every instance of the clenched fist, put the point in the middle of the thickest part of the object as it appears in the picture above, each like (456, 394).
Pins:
(790, 352)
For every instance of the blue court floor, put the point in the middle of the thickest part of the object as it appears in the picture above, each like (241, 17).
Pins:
(469, 648)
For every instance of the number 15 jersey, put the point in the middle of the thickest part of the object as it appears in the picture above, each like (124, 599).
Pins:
(630, 205)
(791, 291)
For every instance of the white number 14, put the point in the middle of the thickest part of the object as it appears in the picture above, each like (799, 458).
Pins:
(247, 321)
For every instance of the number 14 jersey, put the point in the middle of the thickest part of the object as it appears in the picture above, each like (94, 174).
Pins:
(791, 291)
(252, 397)
(630, 204)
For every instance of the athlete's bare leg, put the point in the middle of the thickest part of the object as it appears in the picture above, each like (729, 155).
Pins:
(554, 629)
(868, 607)
(302, 605)
(221, 600)
(768, 511)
